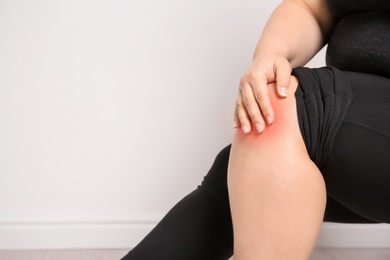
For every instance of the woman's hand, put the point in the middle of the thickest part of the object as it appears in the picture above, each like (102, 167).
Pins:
(253, 105)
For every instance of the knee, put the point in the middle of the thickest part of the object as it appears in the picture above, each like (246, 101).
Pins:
(284, 129)
(286, 170)
(279, 152)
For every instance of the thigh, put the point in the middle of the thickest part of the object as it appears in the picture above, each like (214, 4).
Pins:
(357, 173)
(345, 122)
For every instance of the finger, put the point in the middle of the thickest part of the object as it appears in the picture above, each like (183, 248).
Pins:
(283, 75)
(237, 123)
(252, 107)
(260, 91)
(243, 117)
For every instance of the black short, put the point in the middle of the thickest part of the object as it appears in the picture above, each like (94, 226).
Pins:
(345, 122)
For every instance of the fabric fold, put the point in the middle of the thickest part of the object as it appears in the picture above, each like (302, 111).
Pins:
(323, 99)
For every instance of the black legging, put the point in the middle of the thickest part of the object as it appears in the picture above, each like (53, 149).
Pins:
(356, 172)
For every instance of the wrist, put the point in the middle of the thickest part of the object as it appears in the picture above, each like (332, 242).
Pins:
(264, 51)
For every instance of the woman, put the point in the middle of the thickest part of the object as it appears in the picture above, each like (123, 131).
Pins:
(298, 132)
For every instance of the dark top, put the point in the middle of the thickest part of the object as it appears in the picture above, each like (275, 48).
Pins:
(341, 8)
(361, 39)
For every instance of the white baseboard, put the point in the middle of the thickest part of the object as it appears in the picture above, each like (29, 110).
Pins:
(72, 236)
(354, 236)
(115, 235)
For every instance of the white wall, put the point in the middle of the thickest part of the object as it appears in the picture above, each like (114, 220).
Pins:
(111, 111)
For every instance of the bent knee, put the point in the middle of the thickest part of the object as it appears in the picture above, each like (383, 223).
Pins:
(284, 132)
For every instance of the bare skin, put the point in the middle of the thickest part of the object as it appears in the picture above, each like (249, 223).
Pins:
(277, 194)
(295, 32)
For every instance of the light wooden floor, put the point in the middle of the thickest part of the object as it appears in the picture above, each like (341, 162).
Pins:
(318, 254)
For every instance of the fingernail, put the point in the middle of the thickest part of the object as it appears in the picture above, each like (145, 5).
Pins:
(235, 124)
(245, 129)
(283, 91)
(259, 128)
(269, 120)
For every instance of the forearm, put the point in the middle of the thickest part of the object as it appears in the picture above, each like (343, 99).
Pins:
(296, 30)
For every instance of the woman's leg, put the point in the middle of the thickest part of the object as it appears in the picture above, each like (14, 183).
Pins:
(203, 218)
(345, 124)
(197, 227)
(357, 172)
(277, 194)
